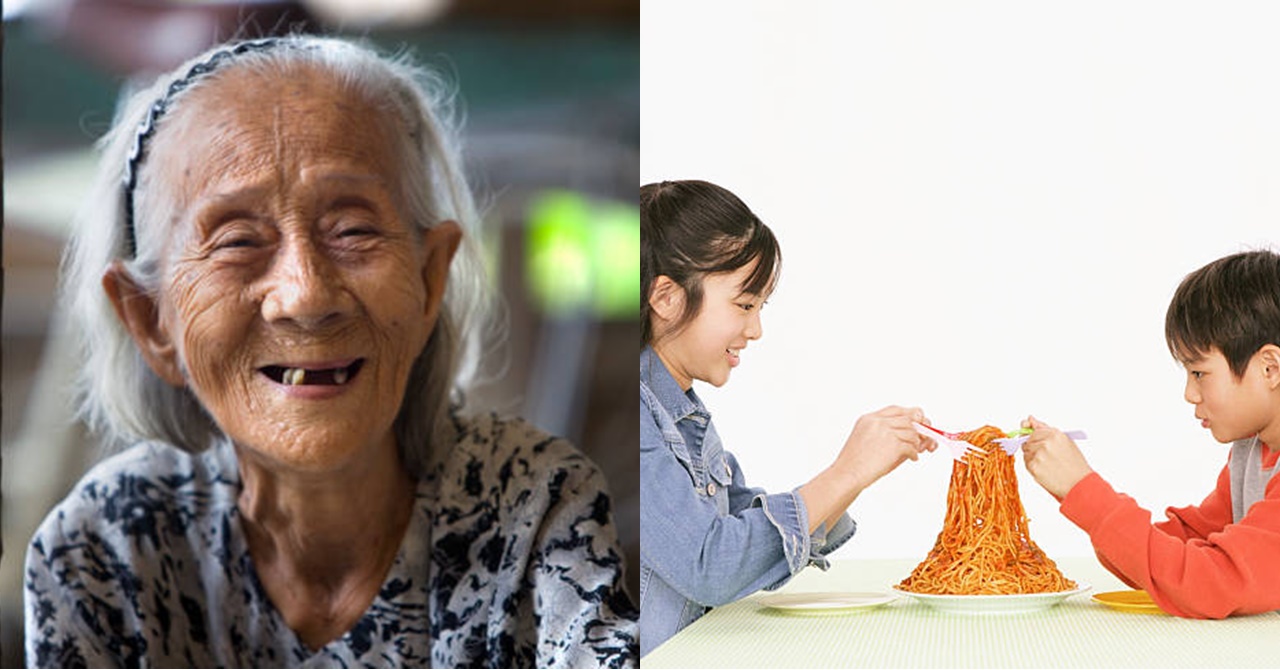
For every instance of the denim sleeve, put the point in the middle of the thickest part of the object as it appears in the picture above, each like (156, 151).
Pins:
(708, 558)
(815, 546)
(824, 541)
(790, 517)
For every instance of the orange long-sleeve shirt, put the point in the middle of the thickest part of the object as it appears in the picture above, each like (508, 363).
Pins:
(1197, 563)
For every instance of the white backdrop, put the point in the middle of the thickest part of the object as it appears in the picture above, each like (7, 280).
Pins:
(984, 210)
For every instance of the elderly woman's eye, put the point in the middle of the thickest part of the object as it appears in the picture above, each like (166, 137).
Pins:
(232, 242)
(236, 236)
(234, 230)
(356, 226)
(235, 243)
(357, 231)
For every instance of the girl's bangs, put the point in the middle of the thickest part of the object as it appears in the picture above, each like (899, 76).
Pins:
(762, 252)
(763, 276)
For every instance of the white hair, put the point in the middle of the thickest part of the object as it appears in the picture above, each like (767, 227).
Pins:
(119, 395)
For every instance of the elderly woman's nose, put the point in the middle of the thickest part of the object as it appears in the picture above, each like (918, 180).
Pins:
(304, 287)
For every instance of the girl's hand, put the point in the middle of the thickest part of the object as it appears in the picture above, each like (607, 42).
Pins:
(1053, 459)
(880, 442)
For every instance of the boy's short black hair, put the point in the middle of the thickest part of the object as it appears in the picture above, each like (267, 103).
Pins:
(692, 228)
(1232, 304)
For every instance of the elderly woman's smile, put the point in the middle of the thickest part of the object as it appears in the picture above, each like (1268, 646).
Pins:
(313, 374)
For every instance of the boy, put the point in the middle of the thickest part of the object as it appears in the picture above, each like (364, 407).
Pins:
(1219, 558)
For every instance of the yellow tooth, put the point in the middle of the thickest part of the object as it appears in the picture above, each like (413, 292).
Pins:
(294, 376)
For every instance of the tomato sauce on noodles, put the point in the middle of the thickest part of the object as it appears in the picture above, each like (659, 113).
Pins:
(984, 548)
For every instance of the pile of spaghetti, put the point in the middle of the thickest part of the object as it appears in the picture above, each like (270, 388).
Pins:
(984, 548)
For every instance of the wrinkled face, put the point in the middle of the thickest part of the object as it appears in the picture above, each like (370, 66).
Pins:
(710, 346)
(294, 291)
(1232, 409)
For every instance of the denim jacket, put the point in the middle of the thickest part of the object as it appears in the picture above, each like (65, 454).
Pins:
(706, 538)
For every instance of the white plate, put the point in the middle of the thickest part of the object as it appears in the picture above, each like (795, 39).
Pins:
(1011, 604)
(825, 603)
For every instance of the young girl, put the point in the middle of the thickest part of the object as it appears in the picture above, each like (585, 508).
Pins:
(707, 266)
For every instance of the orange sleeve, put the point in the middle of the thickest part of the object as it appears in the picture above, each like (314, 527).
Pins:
(1198, 522)
(1197, 563)
(1188, 522)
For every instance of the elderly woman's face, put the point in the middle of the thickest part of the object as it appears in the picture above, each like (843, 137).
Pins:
(295, 296)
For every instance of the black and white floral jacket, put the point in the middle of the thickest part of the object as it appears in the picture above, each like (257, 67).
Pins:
(511, 560)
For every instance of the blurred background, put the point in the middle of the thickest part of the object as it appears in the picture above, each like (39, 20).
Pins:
(551, 96)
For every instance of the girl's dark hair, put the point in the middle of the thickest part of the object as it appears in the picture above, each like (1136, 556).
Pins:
(690, 229)
(1232, 304)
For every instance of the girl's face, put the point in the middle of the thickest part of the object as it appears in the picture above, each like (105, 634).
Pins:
(711, 345)
(1232, 409)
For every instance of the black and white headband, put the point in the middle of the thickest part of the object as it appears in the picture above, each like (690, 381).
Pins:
(147, 127)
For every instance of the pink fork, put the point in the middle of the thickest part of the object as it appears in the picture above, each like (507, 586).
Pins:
(958, 447)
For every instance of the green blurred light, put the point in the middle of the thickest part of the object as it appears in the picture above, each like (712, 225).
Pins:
(583, 256)
(617, 261)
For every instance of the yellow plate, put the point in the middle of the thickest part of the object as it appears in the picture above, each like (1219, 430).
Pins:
(1129, 601)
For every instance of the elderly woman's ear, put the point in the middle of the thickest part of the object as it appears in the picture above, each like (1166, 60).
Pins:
(439, 243)
(138, 311)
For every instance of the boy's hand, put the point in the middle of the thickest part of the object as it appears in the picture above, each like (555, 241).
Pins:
(1053, 459)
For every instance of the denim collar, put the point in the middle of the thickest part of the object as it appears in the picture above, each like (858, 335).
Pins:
(655, 376)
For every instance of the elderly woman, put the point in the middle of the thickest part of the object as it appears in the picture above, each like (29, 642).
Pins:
(279, 306)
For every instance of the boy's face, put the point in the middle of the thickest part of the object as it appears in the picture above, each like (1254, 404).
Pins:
(708, 348)
(1232, 409)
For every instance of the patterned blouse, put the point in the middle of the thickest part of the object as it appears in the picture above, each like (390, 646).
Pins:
(510, 560)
